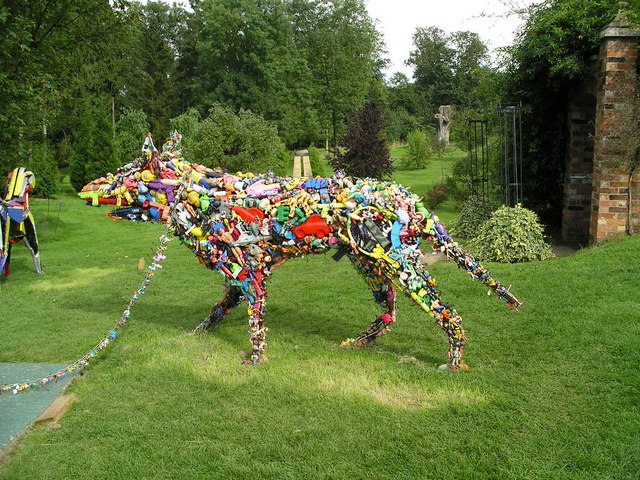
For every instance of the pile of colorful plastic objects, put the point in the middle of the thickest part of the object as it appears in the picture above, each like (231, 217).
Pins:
(244, 225)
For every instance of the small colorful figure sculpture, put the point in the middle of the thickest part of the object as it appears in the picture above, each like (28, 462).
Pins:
(245, 225)
(16, 220)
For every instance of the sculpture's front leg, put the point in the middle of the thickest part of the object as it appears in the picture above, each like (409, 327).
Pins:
(219, 310)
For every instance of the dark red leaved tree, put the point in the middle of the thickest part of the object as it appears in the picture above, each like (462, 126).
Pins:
(367, 153)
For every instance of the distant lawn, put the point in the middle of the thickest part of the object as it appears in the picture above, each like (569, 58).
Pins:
(552, 392)
(421, 180)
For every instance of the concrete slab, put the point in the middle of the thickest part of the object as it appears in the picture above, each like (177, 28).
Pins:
(19, 411)
(306, 167)
(297, 167)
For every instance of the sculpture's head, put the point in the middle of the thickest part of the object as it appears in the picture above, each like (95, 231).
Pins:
(20, 182)
(145, 188)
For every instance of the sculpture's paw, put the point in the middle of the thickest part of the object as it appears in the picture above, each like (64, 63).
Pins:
(254, 359)
(348, 342)
(195, 331)
(447, 367)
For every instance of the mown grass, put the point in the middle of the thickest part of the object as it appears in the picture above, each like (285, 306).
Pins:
(552, 391)
(422, 179)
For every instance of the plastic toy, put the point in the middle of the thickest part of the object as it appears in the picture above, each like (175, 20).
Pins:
(249, 224)
(16, 220)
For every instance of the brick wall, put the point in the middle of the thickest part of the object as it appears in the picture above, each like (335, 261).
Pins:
(617, 83)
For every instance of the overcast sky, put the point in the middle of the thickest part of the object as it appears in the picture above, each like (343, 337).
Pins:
(398, 20)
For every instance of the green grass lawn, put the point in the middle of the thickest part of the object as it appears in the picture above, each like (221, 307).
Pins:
(553, 391)
(421, 180)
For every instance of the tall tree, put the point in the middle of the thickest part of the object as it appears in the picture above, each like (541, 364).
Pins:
(153, 84)
(445, 65)
(42, 46)
(343, 50)
(246, 57)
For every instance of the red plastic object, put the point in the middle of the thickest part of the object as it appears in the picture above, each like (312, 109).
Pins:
(314, 225)
(249, 215)
(111, 201)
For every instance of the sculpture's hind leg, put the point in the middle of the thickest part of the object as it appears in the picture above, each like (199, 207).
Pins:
(384, 295)
(232, 297)
(255, 294)
(410, 277)
(31, 241)
(420, 287)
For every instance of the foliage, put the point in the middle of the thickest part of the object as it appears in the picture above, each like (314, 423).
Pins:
(317, 161)
(367, 153)
(240, 141)
(42, 45)
(306, 66)
(43, 165)
(474, 213)
(186, 125)
(553, 54)
(400, 124)
(511, 235)
(419, 150)
(459, 181)
(402, 113)
(445, 65)
(131, 129)
(94, 151)
(436, 196)
(343, 50)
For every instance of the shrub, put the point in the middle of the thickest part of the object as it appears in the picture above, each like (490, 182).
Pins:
(511, 235)
(473, 214)
(436, 196)
(240, 141)
(418, 151)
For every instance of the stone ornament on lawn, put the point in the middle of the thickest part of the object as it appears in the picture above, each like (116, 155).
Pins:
(244, 225)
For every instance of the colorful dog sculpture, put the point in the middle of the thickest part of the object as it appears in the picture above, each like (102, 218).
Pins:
(245, 225)
(16, 220)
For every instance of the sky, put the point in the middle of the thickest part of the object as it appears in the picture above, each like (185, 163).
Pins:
(397, 20)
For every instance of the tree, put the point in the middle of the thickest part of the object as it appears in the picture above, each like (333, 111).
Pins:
(246, 58)
(153, 84)
(367, 153)
(445, 66)
(419, 150)
(42, 46)
(342, 51)
(131, 130)
(402, 114)
(94, 149)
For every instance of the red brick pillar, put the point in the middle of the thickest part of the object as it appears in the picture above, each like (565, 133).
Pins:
(618, 70)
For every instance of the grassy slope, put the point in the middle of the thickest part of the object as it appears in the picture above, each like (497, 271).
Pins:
(553, 390)
(421, 180)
